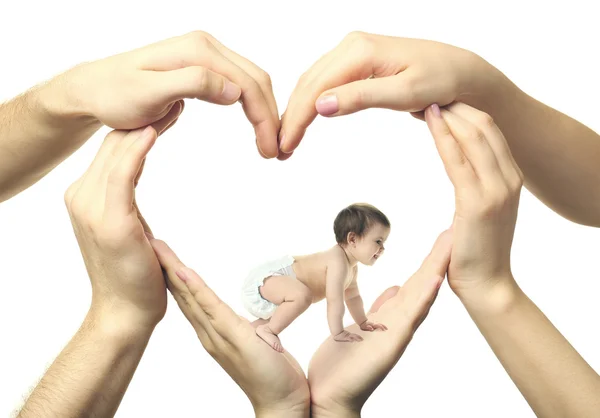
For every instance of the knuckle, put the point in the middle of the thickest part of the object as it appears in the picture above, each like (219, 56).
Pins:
(361, 99)
(353, 36)
(77, 207)
(197, 42)
(264, 79)
(485, 120)
(200, 78)
(516, 184)
(476, 135)
(68, 196)
(362, 44)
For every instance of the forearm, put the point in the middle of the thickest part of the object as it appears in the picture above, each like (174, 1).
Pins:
(335, 316)
(554, 379)
(558, 155)
(356, 309)
(38, 130)
(91, 374)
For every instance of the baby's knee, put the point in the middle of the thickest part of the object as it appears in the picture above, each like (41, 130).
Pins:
(304, 298)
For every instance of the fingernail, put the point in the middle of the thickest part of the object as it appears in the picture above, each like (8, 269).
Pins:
(231, 91)
(282, 142)
(327, 104)
(180, 273)
(145, 133)
(436, 110)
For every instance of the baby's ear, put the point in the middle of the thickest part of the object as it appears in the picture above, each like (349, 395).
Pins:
(351, 238)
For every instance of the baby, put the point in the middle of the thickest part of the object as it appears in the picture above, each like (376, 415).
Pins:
(279, 291)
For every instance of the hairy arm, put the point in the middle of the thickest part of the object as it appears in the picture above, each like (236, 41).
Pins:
(90, 376)
(554, 379)
(558, 155)
(354, 302)
(38, 130)
(337, 271)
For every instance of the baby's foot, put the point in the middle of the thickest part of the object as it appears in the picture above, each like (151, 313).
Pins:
(264, 332)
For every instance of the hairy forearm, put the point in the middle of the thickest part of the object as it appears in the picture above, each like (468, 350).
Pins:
(335, 316)
(91, 374)
(558, 155)
(356, 309)
(38, 130)
(554, 379)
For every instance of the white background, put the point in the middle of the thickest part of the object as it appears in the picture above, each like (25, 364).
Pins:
(224, 209)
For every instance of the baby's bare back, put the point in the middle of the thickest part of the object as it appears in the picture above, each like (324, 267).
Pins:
(311, 270)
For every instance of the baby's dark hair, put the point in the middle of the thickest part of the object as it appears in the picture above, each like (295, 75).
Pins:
(357, 218)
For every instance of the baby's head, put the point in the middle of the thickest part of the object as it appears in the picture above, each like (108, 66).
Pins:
(362, 229)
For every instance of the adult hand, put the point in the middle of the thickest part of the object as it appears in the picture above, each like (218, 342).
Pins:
(374, 71)
(274, 382)
(343, 376)
(128, 287)
(487, 183)
(133, 89)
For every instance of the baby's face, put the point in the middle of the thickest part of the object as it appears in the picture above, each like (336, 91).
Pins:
(371, 246)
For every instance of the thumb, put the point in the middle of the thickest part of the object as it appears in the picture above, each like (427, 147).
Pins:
(394, 92)
(196, 83)
(419, 292)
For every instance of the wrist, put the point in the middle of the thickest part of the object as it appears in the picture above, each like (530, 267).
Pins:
(119, 328)
(61, 100)
(485, 87)
(299, 410)
(494, 297)
(338, 411)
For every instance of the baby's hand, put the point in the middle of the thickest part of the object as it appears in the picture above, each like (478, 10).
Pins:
(371, 326)
(347, 337)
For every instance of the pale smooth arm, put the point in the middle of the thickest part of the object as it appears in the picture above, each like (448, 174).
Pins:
(559, 156)
(90, 376)
(355, 303)
(554, 379)
(336, 275)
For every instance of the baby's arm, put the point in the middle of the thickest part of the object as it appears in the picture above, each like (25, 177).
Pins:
(356, 308)
(337, 271)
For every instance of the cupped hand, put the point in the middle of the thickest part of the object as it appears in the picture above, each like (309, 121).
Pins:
(343, 376)
(375, 71)
(274, 382)
(487, 184)
(127, 282)
(139, 87)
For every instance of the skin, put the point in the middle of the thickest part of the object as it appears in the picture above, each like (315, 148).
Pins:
(331, 274)
(558, 155)
(274, 382)
(554, 379)
(46, 124)
(343, 376)
(128, 289)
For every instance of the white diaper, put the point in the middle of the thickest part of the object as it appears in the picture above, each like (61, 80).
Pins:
(251, 297)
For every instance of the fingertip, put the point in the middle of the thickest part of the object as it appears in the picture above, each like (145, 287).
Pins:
(327, 104)
(231, 92)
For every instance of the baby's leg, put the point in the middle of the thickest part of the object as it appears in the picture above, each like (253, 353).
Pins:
(293, 298)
